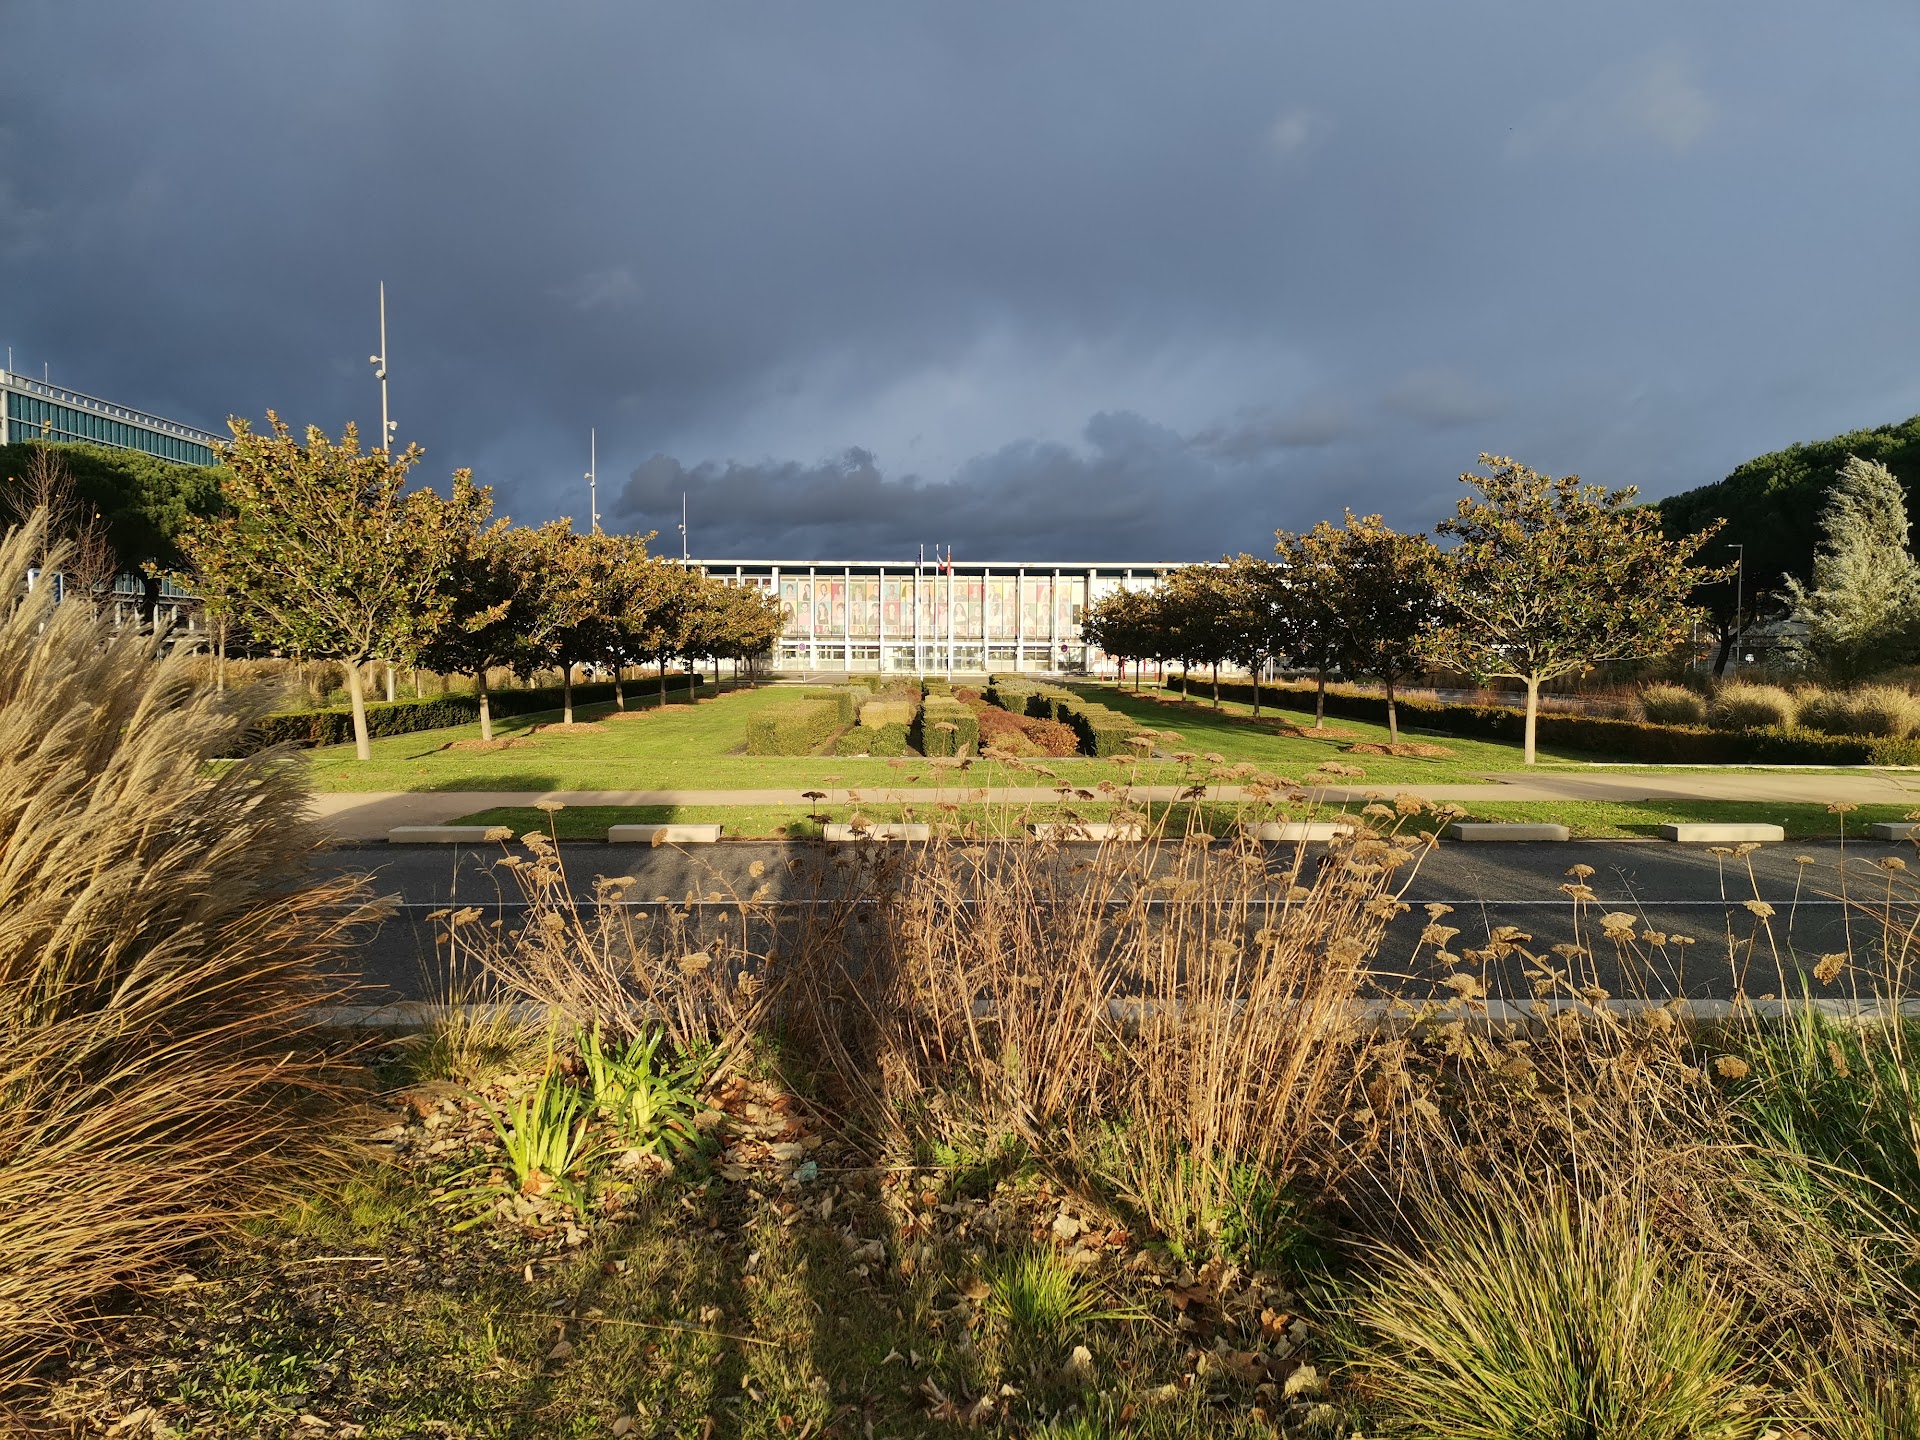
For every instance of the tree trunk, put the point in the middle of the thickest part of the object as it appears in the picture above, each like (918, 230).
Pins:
(390, 694)
(716, 675)
(220, 654)
(619, 687)
(1216, 684)
(663, 682)
(566, 693)
(419, 685)
(1320, 700)
(1533, 715)
(1256, 688)
(486, 704)
(357, 688)
(1393, 716)
(1183, 679)
(1720, 657)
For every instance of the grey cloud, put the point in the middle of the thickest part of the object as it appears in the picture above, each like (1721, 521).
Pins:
(848, 224)
(1442, 396)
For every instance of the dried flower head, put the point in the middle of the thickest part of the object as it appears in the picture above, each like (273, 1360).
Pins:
(1731, 1067)
(1827, 969)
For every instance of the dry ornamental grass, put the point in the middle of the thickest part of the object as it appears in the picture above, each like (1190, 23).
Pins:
(160, 946)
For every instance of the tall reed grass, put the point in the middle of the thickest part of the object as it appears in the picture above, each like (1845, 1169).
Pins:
(160, 947)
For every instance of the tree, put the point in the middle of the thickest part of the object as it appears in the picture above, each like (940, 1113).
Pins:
(322, 550)
(1771, 505)
(755, 623)
(489, 610)
(1257, 620)
(1198, 619)
(1861, 609)
(1310, 565)
(1387, 605)
(1552, 576)
(142, 503)
(563, 580)
(1128, 625)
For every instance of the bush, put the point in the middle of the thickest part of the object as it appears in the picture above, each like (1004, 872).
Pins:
(1876, 710)
(1740, 706)
(847, 699)
(1102, 731)
(794, 727)
(936, 685)
(932, 737)
(1553, 1316)
(865, 739)
(876, 713)
(406, 717)
(1625, 739)
(1673, 705)
(163, 945)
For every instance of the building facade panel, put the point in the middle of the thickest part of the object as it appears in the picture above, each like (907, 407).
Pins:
(930, 619)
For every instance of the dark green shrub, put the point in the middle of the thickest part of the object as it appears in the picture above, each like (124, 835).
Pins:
(406, 717)
(1625, 739)
(794, 727)
(889, 739)
(931, 736)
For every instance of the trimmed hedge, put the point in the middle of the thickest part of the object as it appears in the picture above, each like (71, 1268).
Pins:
(848, 699)
(930, 739)
(1102, 731)
(936, 685)
(876, 713)
(889, 739)
(1631, 739)
(793, 727)
(405, 717)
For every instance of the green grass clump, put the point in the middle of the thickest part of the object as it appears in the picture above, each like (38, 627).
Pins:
(1548, 1318)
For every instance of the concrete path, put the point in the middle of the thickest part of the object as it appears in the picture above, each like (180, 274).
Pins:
(368, 815)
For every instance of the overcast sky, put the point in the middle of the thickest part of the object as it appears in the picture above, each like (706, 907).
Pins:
(1040, 280)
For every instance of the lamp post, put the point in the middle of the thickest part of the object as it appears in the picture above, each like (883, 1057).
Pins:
(1739, 597)
(593, 482)
(379, 363)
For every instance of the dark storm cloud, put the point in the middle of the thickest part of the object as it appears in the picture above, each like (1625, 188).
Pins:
(1079, 278)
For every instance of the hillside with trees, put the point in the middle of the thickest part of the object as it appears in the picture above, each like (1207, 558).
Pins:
(1772, 505)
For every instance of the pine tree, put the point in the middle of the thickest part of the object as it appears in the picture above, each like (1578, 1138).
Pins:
(1860, 612)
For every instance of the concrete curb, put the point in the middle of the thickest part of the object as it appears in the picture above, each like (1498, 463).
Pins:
(1281, 832)
(663, 834)
(1723, 834)
(1067, 830)
(1509, 832)
(440, 834)
(1894, 830)
(841, 834)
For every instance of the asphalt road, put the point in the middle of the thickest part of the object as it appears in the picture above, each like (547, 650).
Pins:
(1672, 889)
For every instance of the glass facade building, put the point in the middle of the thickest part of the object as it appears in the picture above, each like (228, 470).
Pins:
(914, 619)
(35, 410)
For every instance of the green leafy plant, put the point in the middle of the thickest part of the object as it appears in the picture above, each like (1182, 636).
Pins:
(650, 1101)
(547, 1135)
(1038, 1295)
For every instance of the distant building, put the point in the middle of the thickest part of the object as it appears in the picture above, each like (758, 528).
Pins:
(973, 617)
(36, 410)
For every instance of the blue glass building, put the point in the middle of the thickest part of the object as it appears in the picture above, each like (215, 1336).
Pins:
(36, 410)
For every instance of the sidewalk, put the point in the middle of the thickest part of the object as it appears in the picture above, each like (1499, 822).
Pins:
(368, 815)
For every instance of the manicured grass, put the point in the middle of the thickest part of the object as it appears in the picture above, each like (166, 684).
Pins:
(1604, 819)
(699, 747)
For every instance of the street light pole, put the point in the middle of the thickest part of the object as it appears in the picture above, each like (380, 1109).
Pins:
(379, 363)
(593, 481)
(1739, 598)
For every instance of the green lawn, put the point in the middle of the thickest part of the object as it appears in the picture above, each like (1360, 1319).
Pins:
(697, 747)
(1610, 819)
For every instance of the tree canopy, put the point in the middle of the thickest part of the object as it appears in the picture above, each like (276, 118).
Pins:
(1550, 577)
